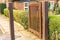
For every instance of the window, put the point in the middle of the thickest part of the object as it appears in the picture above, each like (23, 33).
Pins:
(52, 5)
(26, 8)
(22, 0)
(19, 0)
(26, 5)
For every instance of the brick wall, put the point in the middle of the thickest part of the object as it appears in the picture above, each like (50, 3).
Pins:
(19, 5)
(0, 1)
(52, 0)
(16, 4)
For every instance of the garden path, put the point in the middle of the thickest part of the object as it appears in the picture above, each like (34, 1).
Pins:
(20, 32)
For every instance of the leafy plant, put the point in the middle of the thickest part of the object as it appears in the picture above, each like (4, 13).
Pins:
(57, 10)
(54, 25)
(2, 6)
(20, 16)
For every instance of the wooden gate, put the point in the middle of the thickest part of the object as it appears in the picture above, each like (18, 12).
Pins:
(38, 19)
(35, 18)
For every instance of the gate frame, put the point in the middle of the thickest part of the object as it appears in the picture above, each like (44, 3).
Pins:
(44, 24)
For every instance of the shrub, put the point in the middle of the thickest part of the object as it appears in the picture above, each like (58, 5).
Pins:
(57, 10)
(2, 6)
(48, 5)
(54, 25)
(20, 16)
(6, 12)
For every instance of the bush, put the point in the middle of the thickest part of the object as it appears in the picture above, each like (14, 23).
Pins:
(20, 16)
(6, 12)
(54, 25)
(57, 10)
(2, 6)
(48, 5)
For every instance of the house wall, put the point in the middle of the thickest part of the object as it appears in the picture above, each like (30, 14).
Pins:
(2, 1)
(59, 3)
(7, 1)
(19, 5)
(52, 0)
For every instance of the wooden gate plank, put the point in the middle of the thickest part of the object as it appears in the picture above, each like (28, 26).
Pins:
(35, 15)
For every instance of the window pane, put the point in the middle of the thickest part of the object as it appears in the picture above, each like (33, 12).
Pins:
(26, 8)
(51, 5)
(26, 4)
(21, 0)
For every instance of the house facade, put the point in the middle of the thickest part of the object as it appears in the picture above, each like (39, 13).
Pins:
(59, 3)
(52, 3)
(19, 4)
(2, 1)
(23, 4)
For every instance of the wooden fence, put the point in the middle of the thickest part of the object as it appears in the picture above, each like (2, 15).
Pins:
(38, 19)
(35, 18)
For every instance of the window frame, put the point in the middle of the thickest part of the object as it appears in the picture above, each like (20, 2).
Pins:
(25, 4)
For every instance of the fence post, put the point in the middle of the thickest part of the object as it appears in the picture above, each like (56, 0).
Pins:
(45, 19)
(10, 9)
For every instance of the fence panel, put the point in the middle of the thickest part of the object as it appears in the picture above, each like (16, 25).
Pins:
(35, 20)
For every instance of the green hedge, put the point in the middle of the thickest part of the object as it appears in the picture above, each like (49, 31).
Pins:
(20, 16)
(54, 25)
(2, 6)
(57, 10)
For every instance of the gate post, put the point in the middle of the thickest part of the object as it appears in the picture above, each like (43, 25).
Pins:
(10, 10)
(45, 19)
